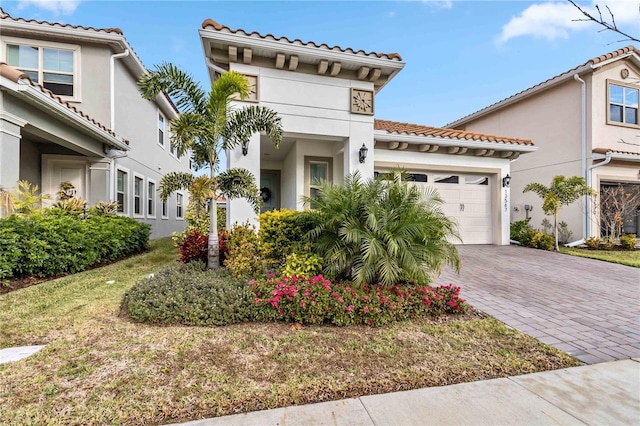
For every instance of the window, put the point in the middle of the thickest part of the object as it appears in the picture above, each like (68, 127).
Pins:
(623, 104)
(417, 177)
(151, 198)
(137, 195)
(51, 67)
(476, 180)
(179, 206)
(172, 150)
(165, 210)
(161, 130)
(121, 191)
(446, 179)
(318, 172)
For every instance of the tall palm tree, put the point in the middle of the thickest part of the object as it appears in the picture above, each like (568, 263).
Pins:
(562, 192)
(206, 126)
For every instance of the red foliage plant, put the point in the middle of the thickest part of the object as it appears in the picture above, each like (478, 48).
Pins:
(193, 247)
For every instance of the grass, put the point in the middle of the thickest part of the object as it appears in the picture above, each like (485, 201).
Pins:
(99, 368)
(629, 258)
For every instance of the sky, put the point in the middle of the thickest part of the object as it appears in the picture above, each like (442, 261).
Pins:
(460, 55)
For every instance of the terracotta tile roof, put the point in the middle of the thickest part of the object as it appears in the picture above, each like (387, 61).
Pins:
(592, 61)
(614, 151)
(5, 15)
(210, 23)
(16, 75)
(419, 130)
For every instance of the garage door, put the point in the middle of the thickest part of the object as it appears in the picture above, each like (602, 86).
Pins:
(467, 199)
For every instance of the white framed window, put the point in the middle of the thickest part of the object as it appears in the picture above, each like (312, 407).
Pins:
(179, 205)
(165, 209)
(151, 198)
(161, 129)
(138, 195)
(316, 170)
(55, 66)
(622, 104)
(122, 190)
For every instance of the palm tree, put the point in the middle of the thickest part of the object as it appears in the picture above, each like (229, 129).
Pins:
(206, 126)
(562, 192)
(381, 231)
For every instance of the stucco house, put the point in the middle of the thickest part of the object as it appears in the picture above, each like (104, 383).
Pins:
(585, 122)
(71, 113)
(326, 98)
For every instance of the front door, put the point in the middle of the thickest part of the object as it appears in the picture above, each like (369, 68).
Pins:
(67, 175)
(270, 189)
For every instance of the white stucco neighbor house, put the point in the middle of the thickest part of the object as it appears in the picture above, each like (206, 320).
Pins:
(71, 113)
(585, 122)
(326, 98)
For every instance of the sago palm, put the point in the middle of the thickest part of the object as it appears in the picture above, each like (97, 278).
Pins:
(206, 126)
(382, 231)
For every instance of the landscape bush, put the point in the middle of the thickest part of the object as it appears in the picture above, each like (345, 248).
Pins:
(628, 241)
(50, 242)
(190, 295)
(520, 229)
(281, 233)
(381, 231)
(193, 247)
(593, 243)
(543, 241)
(608, 243)
(317, 300)
(243, 253)
(302, 265)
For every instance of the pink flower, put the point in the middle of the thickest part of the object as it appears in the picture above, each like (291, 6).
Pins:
(256, 300)
(350, 308)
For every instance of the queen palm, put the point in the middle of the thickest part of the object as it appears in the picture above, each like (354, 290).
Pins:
(206, 126)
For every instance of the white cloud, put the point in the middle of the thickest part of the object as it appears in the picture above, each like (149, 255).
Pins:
(64, 7)
(553, 20)
(441, 4)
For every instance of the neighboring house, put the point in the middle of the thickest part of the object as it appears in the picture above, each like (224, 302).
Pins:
(326, 98)
(585, 122)
(71, 114)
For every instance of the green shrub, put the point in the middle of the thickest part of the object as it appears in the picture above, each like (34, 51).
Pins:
(192, 295)
(543, 241)
(316, 300)
(50, 243)
(281, 233)
(628, 241)
(381, 231)
(564, 233)
(302, 265)
(519, 229)
(243, 253)
(593, 243)
(609, 243)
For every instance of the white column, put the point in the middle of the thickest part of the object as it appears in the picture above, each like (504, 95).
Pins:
(360, 132)
(239, 210)
(10, 128)
(505, 208)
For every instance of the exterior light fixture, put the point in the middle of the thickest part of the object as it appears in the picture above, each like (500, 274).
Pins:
(506, 181)
(245, 148)
(363, 153)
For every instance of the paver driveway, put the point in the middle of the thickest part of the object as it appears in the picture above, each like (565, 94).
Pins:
(587, 308)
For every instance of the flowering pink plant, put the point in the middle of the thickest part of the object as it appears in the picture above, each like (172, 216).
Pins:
(317, 300)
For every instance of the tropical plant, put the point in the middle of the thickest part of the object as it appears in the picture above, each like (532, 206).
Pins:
(562, 192)
(26, 198)
(381, 231)
(206, 126)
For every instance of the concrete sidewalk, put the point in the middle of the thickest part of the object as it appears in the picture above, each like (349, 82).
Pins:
(606, 393)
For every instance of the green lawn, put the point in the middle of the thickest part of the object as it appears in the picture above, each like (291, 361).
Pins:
(100, 368)
(629, 258)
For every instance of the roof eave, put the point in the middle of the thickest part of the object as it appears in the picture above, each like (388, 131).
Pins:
(384, 136)
(617, 156)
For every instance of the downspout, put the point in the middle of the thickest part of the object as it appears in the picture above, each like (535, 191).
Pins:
(583, 138)
(112, 124)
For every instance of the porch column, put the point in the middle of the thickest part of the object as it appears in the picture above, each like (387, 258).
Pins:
(360, 132)
(239, 210)
(99, 182)
(10, 127)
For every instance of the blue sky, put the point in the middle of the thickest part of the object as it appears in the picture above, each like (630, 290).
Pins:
(460, 55)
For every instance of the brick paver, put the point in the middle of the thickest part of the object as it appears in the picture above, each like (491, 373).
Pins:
(587, 308)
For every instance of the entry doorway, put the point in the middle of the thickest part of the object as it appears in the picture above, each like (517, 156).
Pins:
(270, 190)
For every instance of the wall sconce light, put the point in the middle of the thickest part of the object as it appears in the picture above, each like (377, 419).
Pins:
(363, 153)
(506, 181)
(245, 148)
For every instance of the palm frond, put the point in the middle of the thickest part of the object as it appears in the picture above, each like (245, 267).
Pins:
(240, 183)
(242, 124)
(177, 84)
(174, 181)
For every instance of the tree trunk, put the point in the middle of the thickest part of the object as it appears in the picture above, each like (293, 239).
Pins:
(213, 258)
(555, 226)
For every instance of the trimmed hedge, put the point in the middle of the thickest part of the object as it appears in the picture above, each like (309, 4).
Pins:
(191, 295)
(48, 243)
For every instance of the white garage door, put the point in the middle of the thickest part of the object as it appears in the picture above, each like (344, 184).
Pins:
(467, 199)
